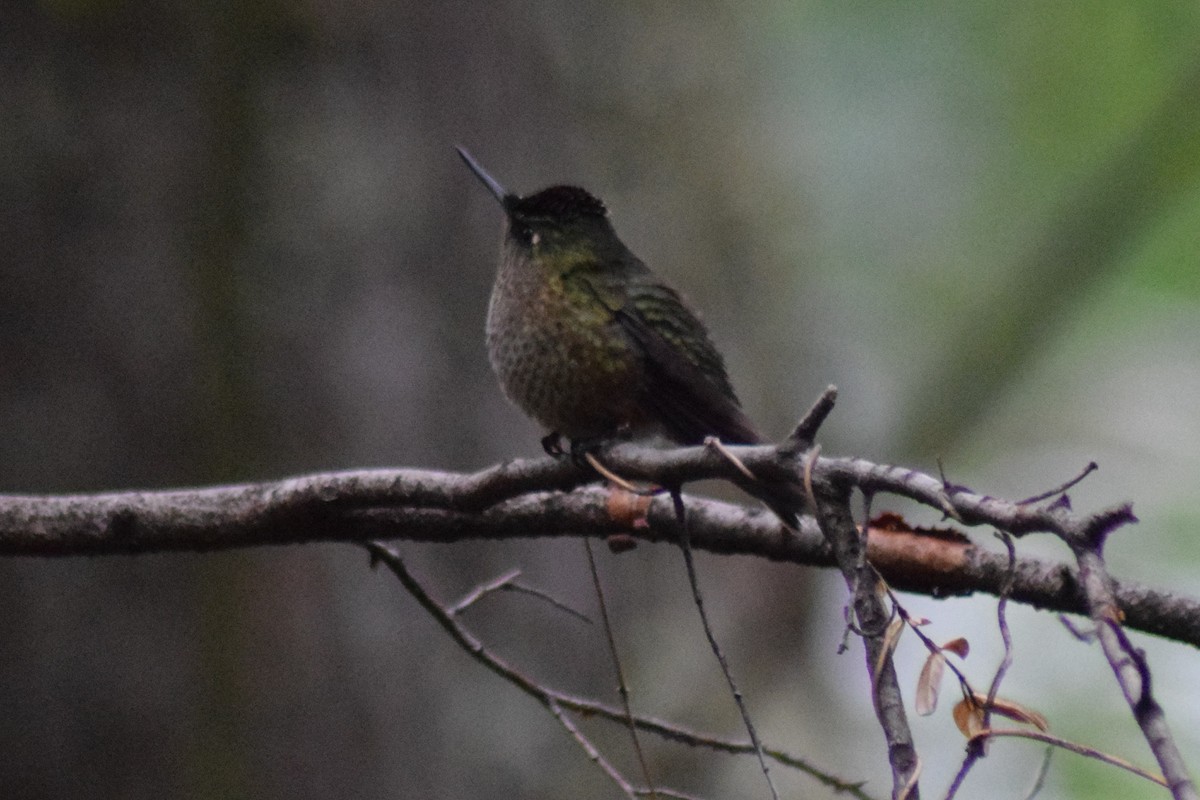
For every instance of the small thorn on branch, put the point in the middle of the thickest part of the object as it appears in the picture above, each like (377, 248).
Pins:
(805, 432)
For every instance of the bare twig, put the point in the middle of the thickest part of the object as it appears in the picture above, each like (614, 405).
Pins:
(482, 590)
(593, 754)
(1040, 779)
(963, 768)
(508, 583)
(669, 793)
(622, 686)
(1059, 489)
(524, 588)
(1037, 498)
(945, 496)
(1002, 624)
(544, 695)
(975, 747)
(689, 561)
(1085, 635)
(1074, 747)
(930, 645)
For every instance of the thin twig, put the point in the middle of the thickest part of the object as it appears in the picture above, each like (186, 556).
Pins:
(1087, 636)
(483, 589)
(543, 694)
(672, 794)
(524, 588)
(622, 686)
(1037, 498)
(930, 644)
(685, 545)
(593, 754)
(945, 501)
(508, 583)
(1040, 778)
(1074, 747)
(1002, 623)
(963, 768)
(975, 747)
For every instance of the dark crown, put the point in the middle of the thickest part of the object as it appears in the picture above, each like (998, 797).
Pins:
(558, 202)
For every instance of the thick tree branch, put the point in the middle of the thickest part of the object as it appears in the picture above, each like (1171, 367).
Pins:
(518, 500)
(513, 501)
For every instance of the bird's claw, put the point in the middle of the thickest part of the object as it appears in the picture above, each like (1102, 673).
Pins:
(552, 444)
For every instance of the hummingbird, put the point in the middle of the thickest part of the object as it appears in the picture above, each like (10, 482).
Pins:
(592, 345)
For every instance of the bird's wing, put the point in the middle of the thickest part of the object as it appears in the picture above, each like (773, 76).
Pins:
(685, 384)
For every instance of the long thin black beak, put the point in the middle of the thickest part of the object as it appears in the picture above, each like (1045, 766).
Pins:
(491, 183)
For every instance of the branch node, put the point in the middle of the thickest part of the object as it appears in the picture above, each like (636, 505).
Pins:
(1099, 526)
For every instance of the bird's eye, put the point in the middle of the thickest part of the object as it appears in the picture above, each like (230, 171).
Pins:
(525, 235)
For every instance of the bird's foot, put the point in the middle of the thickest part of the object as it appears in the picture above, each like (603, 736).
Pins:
(582, 448)
(552, 444)
(581, 451)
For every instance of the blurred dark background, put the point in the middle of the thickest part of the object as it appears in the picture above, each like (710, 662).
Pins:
(236, 244)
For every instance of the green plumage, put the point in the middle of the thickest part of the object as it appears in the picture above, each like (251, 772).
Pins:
(586, 340)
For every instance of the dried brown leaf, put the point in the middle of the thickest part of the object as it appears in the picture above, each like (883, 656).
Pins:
(929, 684)
(1015, 711)
(968, 716)
(960, 647)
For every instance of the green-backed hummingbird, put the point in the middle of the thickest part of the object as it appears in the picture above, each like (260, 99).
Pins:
(591, 344)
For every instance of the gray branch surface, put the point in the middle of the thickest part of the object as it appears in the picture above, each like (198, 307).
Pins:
(532, 498)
